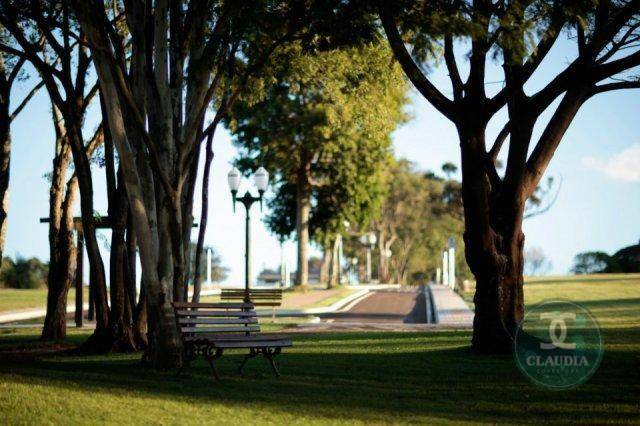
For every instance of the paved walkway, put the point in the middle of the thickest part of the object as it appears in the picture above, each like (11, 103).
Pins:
(450, 309)
(299, 299)
(400, 306)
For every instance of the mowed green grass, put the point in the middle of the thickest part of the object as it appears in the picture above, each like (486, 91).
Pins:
(341, 378)
(16, 299)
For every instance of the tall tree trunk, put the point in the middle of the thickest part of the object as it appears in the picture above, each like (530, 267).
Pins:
(324, 265)
(303, 209)
(62, 256)
(204, 216)
(120, 314)
(5, 158)
(5, 151)
(493, 247)
(100, 341)
(62, 263)
(334, 276)
(384, 245)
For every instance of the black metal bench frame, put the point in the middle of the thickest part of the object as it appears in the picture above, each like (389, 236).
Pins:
(224, 326)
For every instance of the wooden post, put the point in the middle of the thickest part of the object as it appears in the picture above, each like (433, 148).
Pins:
(79, 263)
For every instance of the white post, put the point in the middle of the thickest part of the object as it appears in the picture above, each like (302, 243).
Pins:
(438, 275)
(452, 267)
(208, 266)
(283, 268)
(368, 271)
(445, 268)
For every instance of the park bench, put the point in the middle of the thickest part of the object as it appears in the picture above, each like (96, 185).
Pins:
(258, 296)
(207, 329)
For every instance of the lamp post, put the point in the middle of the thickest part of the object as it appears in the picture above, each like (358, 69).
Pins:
(354, 268)
(261, 179)
(368, 240)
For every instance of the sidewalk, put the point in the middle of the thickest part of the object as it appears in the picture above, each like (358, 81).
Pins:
(450, 309)
(35, 313)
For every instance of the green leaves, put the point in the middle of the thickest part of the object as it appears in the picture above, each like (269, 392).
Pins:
(332, 112)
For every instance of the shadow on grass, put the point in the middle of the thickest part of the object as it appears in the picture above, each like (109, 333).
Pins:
(362, 376)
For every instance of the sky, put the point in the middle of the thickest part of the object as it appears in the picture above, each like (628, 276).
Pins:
(598, 162)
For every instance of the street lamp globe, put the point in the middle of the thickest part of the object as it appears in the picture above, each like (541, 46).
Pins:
(234, 179)
(372, 239)
(261, 178)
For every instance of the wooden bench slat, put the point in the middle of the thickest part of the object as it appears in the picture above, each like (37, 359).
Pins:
(220, 305)
(183, 313)
(251, 320)
(253, 298)
(233, 337)
(249, 328)
(259, 344)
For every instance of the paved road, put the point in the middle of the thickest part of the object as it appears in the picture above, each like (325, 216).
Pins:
(386, 306)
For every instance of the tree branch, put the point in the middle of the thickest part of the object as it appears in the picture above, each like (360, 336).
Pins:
(497, 145)
(25, 101)
(411, 69)
(452, 67)
(16, 70)
(552, 135)
(615, 86)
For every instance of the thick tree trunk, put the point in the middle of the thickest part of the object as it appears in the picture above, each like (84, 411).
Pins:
(62, 263)
(324, 265)
(140, 319)
(100, 341)
(493, 248)
(120, 312)
(303, 209)
(334, 275)
(5, 158)
(62, 253)
(5, 152)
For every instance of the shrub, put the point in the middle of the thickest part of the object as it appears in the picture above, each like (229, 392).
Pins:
(23, 273)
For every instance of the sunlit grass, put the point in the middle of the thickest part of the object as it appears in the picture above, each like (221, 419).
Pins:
(17, 299)
(333, 378)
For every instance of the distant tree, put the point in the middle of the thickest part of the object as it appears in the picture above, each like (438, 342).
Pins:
(24, 273)
(419, 214)
(591, 262)
(449, 169)
(625, 260)
(323, 128)
(535, 262)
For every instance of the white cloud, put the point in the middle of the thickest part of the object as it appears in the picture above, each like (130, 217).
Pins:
(624, 166)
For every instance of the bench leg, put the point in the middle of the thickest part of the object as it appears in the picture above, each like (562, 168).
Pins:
(270, 354)
(187, 356)
(252, 353)
(211, 358)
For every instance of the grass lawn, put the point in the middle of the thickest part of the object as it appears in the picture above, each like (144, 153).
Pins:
(331, 378)
(14, 299)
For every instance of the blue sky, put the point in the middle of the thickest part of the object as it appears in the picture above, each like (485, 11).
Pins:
(597, 208)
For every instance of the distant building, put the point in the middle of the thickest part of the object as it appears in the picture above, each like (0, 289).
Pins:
(268, 278)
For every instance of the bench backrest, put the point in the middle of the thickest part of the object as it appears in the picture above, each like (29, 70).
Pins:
(258, 296)
(207, 320)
